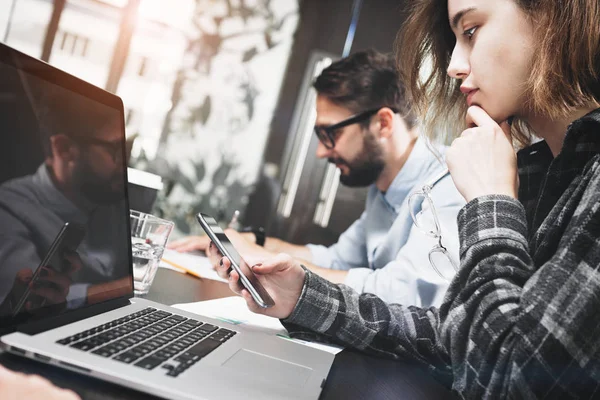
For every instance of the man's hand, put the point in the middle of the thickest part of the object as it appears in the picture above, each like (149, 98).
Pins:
(201, 243)
(281, 276)
(482, 160)
(50, 287)
(190, 243)
(22, 280)
(17, 386)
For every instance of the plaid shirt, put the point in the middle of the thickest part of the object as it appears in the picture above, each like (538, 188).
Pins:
(521, 319)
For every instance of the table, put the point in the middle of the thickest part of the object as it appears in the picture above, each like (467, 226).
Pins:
(352, 376)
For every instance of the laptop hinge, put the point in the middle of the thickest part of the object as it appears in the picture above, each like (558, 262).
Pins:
(69, 317)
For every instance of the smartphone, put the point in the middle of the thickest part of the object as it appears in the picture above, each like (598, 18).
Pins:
(247, 277)
(67, 240)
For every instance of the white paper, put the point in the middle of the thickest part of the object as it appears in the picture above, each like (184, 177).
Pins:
(233, 310)
(195, 264)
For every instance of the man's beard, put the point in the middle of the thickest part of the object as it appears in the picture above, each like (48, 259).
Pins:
(96, 189)
(366, 168)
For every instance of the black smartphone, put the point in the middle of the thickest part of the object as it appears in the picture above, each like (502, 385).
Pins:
(247, 277)
(66, 241)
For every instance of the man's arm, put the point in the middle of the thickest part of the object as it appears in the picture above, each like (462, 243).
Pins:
(409, 278)
(334, 262)
(350, 251)
(275, 245)
(331, 262)
(17, 254)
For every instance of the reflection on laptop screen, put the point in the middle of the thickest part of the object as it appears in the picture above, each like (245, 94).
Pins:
(61, 162)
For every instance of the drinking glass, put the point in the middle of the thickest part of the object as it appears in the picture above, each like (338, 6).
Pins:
(149, 235)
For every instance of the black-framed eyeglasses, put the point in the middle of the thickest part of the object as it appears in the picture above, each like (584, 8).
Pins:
(327, 134)
(113, 148)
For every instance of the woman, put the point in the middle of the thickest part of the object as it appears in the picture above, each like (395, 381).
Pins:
(522, 316)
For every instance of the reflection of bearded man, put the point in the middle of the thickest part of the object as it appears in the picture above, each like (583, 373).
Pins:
(84, 150)
(98, 171)
(95, 188)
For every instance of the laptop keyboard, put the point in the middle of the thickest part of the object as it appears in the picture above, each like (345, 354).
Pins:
(152, 337)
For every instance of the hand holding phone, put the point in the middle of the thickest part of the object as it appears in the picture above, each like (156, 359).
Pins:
(223, 244)
(282, 275)
(50, 282)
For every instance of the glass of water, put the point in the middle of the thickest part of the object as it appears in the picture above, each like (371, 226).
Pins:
(149, 235)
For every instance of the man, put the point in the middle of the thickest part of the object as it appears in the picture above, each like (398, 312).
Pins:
(81, 182)
(366, 128)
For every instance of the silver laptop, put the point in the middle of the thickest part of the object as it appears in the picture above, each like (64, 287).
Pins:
(66, 278)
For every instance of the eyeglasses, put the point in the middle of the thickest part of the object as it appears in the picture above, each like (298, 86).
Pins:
(113, 148)
(426, 220)
(327, 134)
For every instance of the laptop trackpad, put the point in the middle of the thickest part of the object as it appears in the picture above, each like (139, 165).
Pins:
(272, 369)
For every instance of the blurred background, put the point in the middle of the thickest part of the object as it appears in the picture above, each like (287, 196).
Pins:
(217, 97)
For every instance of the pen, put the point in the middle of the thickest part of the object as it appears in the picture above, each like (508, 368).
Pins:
(234, 219)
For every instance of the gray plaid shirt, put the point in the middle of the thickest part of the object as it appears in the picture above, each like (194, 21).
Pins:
(521, 319)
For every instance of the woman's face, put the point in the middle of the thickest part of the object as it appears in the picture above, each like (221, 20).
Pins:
(493, 54)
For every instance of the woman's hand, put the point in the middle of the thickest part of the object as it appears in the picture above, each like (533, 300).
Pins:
(250, 252)
(281, 276)
(17, 386)
(482, 161)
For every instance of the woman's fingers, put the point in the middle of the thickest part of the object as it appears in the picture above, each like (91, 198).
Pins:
(234, 283)
(213, 254)
(252, 306)
(277, 263)
(223, 267)
(476, 116)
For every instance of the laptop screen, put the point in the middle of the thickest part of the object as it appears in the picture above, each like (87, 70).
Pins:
(64, 214)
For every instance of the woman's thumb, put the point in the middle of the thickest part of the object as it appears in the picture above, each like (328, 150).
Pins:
(262, 269)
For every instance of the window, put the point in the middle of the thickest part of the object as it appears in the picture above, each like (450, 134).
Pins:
(73, 44)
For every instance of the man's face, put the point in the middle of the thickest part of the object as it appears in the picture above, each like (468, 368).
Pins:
(98, 171)
(356, 153)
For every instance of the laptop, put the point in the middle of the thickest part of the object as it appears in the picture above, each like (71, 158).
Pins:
(63, 143)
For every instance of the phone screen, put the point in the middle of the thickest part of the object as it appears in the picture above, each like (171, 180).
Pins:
(247, 277)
